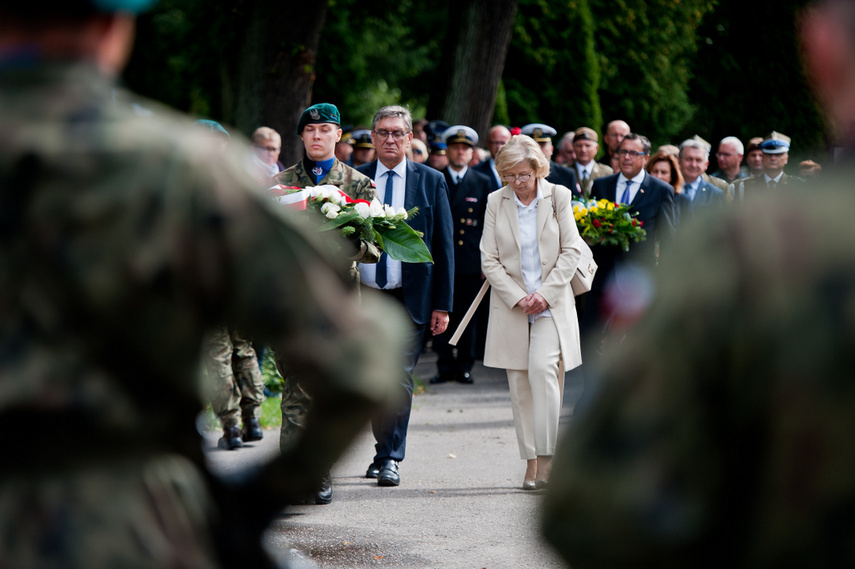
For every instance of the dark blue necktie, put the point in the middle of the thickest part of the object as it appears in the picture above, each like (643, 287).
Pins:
(387, 199)
(625, 198)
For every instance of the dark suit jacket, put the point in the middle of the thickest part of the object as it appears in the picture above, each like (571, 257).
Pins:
(654, 203)
(484, 168)
(706, 196)
(426, 287)
(564, 176)
(468, 205)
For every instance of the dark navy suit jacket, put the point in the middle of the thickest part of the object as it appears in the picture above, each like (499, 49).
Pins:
(468, 207)
(706, 195)
(485, 168)
(427, 287)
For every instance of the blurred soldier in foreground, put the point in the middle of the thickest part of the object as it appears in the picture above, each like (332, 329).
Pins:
(721, 435)
(123, 239)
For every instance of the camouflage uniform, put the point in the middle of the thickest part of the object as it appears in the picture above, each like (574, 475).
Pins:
(122, 239)
(236, 383)
(721, 435)
(295, 401)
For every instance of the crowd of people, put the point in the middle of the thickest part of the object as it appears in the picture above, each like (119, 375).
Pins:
(719, 430)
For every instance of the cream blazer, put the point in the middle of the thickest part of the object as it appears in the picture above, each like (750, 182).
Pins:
(558, 243)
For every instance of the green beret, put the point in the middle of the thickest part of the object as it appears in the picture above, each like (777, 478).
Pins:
(320, 113)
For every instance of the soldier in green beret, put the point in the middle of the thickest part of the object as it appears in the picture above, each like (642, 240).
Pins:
(123, 238)
(320, 129)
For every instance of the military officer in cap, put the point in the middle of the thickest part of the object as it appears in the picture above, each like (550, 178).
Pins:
(558, 174)
(320, 131)
(776, 153)
(468, 191)
(438, 155)
(586, 145)
(363, 148)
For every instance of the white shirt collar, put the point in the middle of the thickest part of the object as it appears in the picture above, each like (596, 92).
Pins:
(776, 178)
(399, 169)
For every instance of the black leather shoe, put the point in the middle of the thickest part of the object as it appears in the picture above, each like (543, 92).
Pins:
(252, 430)
(441, 378)
(389, 474)
(464, 377)
(230, 439)
(373, 470)
(324, 492)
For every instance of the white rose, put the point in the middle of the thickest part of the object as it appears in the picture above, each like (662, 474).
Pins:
(376, 209)
(389, 211)
(402, 212)
(330, 210)
(362, 210)
(336, 198)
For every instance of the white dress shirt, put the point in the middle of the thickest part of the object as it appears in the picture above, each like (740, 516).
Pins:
(368, 271)
(633, 191)
(529, 250)
(456, 176)
(776, 179)
(589, 169)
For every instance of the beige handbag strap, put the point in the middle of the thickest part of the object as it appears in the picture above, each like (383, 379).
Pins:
(469, 313)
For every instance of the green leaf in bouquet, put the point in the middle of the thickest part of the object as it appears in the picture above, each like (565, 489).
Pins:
(403, 243)
(342, 219)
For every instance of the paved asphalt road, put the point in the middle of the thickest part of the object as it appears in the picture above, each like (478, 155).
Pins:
(459, 504)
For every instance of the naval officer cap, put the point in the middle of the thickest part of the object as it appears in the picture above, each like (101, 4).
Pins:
(320, 113)
(460, 134)
(775, 143)
(437, 147)
(361, 138)
(539, 132)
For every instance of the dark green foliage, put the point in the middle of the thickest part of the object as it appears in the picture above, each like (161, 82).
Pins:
(749, 78)
(551, 72)
(378, 53)
(646, 48)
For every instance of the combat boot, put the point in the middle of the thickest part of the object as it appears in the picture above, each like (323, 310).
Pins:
(231, 438)
(323, 495)
(252, 430)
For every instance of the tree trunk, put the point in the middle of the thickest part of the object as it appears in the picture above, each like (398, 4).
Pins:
(277, 69)
(476, 46)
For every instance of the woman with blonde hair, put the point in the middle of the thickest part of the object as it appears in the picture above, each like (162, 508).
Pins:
(529, 251)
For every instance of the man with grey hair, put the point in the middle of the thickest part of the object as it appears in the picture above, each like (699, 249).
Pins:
(729, 158)
(697, 192)
(424, 289)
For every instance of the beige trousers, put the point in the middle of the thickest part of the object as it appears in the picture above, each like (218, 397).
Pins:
(537, 393)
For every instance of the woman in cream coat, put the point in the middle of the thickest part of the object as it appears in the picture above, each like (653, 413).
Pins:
(529, 251)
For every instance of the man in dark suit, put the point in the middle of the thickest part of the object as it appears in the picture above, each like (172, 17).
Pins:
(425, 289)
(652, 201)
(469, 190)
(698, 194)
(497, 137)
(558, 174)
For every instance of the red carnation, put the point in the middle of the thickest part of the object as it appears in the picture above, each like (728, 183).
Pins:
(596, 223)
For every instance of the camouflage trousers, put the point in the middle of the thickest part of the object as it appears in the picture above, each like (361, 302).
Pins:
(235, 382)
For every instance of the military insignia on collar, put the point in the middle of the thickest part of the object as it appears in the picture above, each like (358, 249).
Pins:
(317, 170)
(314, 114)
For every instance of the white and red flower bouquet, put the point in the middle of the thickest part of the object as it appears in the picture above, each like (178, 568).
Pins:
(372, 221)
